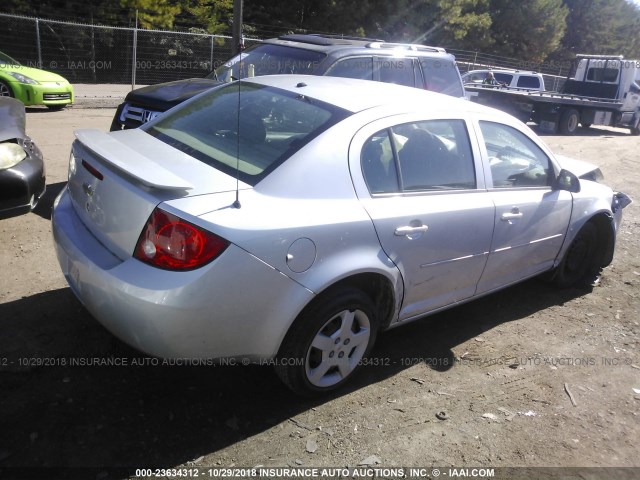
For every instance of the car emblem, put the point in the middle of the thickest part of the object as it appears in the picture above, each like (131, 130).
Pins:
(88, 189)
(147, 116)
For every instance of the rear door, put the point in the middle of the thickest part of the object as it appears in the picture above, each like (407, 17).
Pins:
(420, 184)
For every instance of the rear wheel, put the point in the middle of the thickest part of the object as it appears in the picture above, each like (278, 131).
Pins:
(635, 131)
(327, 342)
(5, 89)
(569, 121)
(580, 266)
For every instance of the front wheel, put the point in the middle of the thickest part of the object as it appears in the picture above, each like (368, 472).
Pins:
(580, 266)
(327, 343)
(5, 90)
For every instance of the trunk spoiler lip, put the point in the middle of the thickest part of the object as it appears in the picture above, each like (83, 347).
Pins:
(130, 161)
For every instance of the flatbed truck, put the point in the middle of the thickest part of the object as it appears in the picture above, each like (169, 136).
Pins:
(600, 90)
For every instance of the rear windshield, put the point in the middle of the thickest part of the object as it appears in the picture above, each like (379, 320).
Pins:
(267, 59)
(245, 129)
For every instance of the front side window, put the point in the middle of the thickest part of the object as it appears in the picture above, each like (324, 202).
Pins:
(245, 129)
(419, 156)
(515, 160)
(267, 59)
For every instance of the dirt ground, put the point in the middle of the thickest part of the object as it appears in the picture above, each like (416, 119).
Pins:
(500, 372)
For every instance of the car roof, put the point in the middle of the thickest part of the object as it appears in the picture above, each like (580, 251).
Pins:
(330, 44)
(358, 95)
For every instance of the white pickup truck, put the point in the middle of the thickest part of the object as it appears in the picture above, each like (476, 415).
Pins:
(516, 79)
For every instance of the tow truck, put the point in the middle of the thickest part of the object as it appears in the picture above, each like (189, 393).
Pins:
(599, 90)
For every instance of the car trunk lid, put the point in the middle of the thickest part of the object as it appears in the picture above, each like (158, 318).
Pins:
(116, 180)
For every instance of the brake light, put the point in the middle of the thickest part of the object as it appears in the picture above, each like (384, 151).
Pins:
(171, 243)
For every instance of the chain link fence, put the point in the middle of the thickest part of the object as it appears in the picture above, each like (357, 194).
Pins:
(98, 54)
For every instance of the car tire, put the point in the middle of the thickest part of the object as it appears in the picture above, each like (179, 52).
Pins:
(635, 131)
(580, 266)
(5, 90)
(326, 344)
(569, 121)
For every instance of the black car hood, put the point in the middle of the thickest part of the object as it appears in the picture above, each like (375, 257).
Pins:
(166, 95)
(12, 119)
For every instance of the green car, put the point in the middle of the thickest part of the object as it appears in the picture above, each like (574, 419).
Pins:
(33, 86)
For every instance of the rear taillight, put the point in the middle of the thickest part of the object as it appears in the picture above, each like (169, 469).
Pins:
(172, 243)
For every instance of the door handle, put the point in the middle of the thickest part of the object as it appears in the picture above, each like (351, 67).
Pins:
(512, 215)
(408, 230)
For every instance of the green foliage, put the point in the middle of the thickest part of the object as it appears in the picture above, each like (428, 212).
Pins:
(212, 16)
(528, 30)
(154, 14)
(601, 27)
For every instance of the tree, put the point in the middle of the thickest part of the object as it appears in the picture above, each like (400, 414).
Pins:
(212, 16)
(528, 30)
(601, 27)
(152, 14)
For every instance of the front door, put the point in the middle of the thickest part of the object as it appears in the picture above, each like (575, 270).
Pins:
(531, 219)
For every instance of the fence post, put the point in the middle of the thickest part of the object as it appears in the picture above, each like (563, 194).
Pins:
(211, 67)
(135, 49)
(38, 43)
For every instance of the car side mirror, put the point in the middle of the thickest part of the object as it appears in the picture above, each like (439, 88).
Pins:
(567, 181)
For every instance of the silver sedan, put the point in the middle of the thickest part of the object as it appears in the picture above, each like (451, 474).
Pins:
(290, 219)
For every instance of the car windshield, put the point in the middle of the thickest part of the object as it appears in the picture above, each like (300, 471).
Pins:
(245, 129)
(267, 59)
(7, 60)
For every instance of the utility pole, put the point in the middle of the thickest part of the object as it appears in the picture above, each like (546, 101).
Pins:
(238, 42)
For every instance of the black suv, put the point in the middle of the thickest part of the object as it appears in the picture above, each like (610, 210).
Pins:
(417, 66)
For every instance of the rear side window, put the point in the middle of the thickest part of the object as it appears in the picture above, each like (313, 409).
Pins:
(528, 82)
(603, 74)
(396, 70)
(355, 67)
(420, 156)
(441, 75)
(251, 128)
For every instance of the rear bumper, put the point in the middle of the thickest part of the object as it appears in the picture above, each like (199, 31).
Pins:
(235, 307)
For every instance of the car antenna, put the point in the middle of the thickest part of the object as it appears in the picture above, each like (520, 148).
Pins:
(236, 203)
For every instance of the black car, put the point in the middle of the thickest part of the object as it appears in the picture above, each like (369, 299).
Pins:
(419, 66)
(22, 176)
